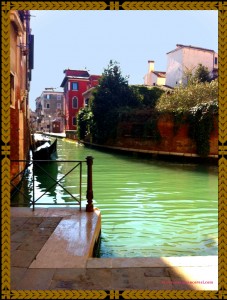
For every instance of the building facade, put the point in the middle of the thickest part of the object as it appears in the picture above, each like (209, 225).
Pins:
(154, 78)
(185, 59)
(50, 111)
(21, 65)
(75, 83)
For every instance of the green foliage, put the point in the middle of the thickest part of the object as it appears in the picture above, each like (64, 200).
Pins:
(200, 120)
(202, 74)
(138, 108)
(182, 99)
(84, 122)
(148, 96)
(199, 104)
(111, 95)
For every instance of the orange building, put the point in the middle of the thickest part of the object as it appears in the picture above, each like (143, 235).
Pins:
(21, 64)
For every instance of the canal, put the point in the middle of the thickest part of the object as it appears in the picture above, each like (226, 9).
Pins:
(149, 208)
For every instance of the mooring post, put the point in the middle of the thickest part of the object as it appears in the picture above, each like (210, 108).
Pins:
(89, 206)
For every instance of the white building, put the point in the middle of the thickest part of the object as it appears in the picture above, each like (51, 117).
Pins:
(49, 109)
(154, 78)
(186, 59)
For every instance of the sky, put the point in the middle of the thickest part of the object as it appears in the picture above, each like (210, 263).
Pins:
(88, 40)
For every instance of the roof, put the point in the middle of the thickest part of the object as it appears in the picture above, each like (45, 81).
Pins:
(159, 74)
(95, 77)
(89, 91)
(79, 73)
(180, 46)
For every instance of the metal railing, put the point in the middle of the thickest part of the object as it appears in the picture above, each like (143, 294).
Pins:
(41, 166)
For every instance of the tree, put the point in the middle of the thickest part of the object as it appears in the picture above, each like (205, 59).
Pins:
(111, 95)
(148, 96)
(202, 74)
(84, 122)
(182, 99)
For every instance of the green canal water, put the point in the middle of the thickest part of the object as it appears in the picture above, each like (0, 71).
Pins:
(149, 208)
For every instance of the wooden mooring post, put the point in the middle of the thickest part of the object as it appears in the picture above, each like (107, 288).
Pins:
(89, 206)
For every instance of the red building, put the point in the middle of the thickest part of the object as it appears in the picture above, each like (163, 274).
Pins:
(75, 83)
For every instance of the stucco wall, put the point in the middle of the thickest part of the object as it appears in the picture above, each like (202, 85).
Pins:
(186, 59)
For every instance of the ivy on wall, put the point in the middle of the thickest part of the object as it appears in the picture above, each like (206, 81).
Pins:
(201, 118)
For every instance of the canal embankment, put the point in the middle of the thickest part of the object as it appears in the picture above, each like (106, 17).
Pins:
(46, 255)
(137, 148)
(163, 155)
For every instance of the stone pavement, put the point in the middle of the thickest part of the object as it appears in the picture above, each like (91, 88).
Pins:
(31, 232)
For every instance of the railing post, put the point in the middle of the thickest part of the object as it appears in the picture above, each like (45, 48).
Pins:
(89, 206)
(33, 186)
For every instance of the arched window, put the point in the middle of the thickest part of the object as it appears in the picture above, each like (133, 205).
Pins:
(75, 102)
(74, 121)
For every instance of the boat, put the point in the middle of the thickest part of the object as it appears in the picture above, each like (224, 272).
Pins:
(39, 139)
(46, 151)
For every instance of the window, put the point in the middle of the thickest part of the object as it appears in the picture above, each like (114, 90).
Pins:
(48, 105)
(75, 102)
(58, 97)
(59, 105)
(12, 90)
(215, 60)
(74, 86)
(86, 102)
(74, 121)
(48, 96)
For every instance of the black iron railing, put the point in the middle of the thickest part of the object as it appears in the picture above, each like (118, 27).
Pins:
(41, 166)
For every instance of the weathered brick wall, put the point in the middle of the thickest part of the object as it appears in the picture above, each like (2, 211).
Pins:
(175, 140)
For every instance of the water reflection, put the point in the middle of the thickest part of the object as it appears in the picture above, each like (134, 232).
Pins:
(148, 207)
(45, 175)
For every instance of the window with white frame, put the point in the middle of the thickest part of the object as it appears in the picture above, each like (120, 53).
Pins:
(75, 86)
(58, 97)
(74, 102)
(59, 105)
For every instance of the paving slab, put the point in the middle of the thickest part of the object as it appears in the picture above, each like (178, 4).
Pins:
(16, 275)
(158, 283)
(71, 243)
(34, 279)
(22, 258)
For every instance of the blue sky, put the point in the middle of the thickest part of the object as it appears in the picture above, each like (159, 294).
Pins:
(90, 39)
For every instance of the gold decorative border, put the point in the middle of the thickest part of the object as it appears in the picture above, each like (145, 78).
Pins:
(6, 6)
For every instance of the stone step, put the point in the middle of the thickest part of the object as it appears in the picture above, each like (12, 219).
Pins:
(71, 243)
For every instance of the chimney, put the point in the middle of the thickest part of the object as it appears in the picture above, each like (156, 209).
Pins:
(150, 66)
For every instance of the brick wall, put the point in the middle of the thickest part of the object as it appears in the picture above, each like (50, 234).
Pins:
(172, 139)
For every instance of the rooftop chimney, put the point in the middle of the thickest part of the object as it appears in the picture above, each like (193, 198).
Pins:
(150, 66)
